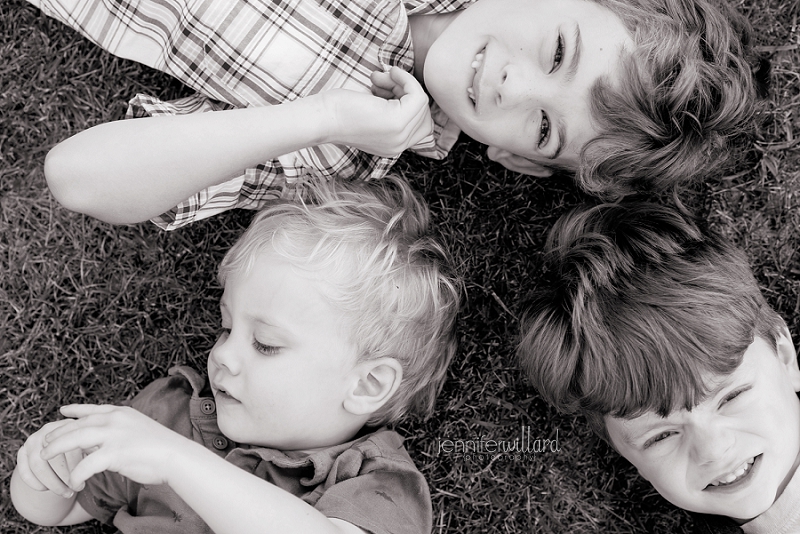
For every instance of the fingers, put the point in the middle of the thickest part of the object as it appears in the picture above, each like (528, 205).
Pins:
(382, 85)
(75, 411)
(82, 434)
(92, 464)
(82, 416)
(25, 473)
(406, 85)
(40, 476)
(85, 432)
(395, 84)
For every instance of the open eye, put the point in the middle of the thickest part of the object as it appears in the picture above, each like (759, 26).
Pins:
(558, 55)
(544, 130)
(268, 350)
(658, 438)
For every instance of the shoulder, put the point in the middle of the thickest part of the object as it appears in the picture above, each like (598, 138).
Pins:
(375, 485)
(381, 448)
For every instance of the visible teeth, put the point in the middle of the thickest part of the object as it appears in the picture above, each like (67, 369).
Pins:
(736, 474)
(478, 61)
(471, 94)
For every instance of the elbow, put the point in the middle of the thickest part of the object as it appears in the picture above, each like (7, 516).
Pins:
(75, 181)
(63, 176)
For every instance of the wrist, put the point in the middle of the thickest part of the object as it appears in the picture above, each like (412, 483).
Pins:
(328, 115)
(184, 461)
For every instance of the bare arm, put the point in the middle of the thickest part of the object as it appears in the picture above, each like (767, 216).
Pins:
(133, 170)
(240, 503)
(228, 498)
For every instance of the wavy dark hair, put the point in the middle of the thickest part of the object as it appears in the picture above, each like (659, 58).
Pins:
(685, 94)
(642, 307)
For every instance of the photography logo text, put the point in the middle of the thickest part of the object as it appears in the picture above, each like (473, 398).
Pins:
(524, 446)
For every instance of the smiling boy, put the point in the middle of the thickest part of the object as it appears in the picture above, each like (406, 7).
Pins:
(658, 334)
(593, 88)
(337, 318)
(528, 88)
(736, 451)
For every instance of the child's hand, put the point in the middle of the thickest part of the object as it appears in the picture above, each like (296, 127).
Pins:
(38, 473)
(395, 118)
(118, 439)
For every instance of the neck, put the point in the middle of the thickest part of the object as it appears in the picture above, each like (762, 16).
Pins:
(425, 29)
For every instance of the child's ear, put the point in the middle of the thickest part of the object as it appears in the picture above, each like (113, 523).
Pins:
(788, 357)
(518, 163)
(376, 382)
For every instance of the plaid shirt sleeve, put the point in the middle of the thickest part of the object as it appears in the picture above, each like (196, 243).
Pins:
(239, 53)
(282, 177)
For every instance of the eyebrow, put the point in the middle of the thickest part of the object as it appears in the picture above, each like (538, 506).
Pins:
(561, 127)
(572, 69)
(727, 382)
(576, 55)
(224, 307)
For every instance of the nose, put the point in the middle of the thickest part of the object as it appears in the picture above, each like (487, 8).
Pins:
(225, 355)
(522, 84)
(711, 441)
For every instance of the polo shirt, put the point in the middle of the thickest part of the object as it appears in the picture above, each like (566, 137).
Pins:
(370, 481)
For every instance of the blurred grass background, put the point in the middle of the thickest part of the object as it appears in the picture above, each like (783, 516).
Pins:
(91, 312)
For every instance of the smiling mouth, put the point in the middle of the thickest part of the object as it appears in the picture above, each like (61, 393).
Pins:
(473, 92)
(735, 476)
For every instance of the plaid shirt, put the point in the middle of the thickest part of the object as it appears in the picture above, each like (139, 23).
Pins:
(239, 53)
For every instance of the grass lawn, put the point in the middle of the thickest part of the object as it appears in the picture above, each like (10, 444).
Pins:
(91, 312)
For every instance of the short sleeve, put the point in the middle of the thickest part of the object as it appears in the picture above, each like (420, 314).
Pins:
(104, 494)
(381, 502)
(377, 487)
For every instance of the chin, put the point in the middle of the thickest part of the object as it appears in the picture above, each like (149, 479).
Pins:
(741, 512)
(229, 431)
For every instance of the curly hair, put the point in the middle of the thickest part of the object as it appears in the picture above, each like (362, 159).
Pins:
(685, 92)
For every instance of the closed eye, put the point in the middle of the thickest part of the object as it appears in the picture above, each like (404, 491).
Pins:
(734, 394)
(658, 438)
(268, 350)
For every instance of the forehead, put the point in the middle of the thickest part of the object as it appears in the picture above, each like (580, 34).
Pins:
(759, 365)
(268, 280)
(509, 11)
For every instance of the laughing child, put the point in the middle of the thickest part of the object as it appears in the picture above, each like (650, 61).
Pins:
(337, 318)
(612, 90)
(658, 334)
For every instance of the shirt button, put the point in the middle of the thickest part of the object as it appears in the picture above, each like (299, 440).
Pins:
(207, 406)
(220, 443)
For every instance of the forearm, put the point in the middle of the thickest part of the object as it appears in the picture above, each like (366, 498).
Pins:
(231, 500)
(133, 170)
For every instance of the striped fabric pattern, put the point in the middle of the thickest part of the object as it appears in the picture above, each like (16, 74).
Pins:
(240, 53)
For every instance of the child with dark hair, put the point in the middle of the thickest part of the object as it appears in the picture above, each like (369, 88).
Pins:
(658, 334)
(337, 318)
(610, 90)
